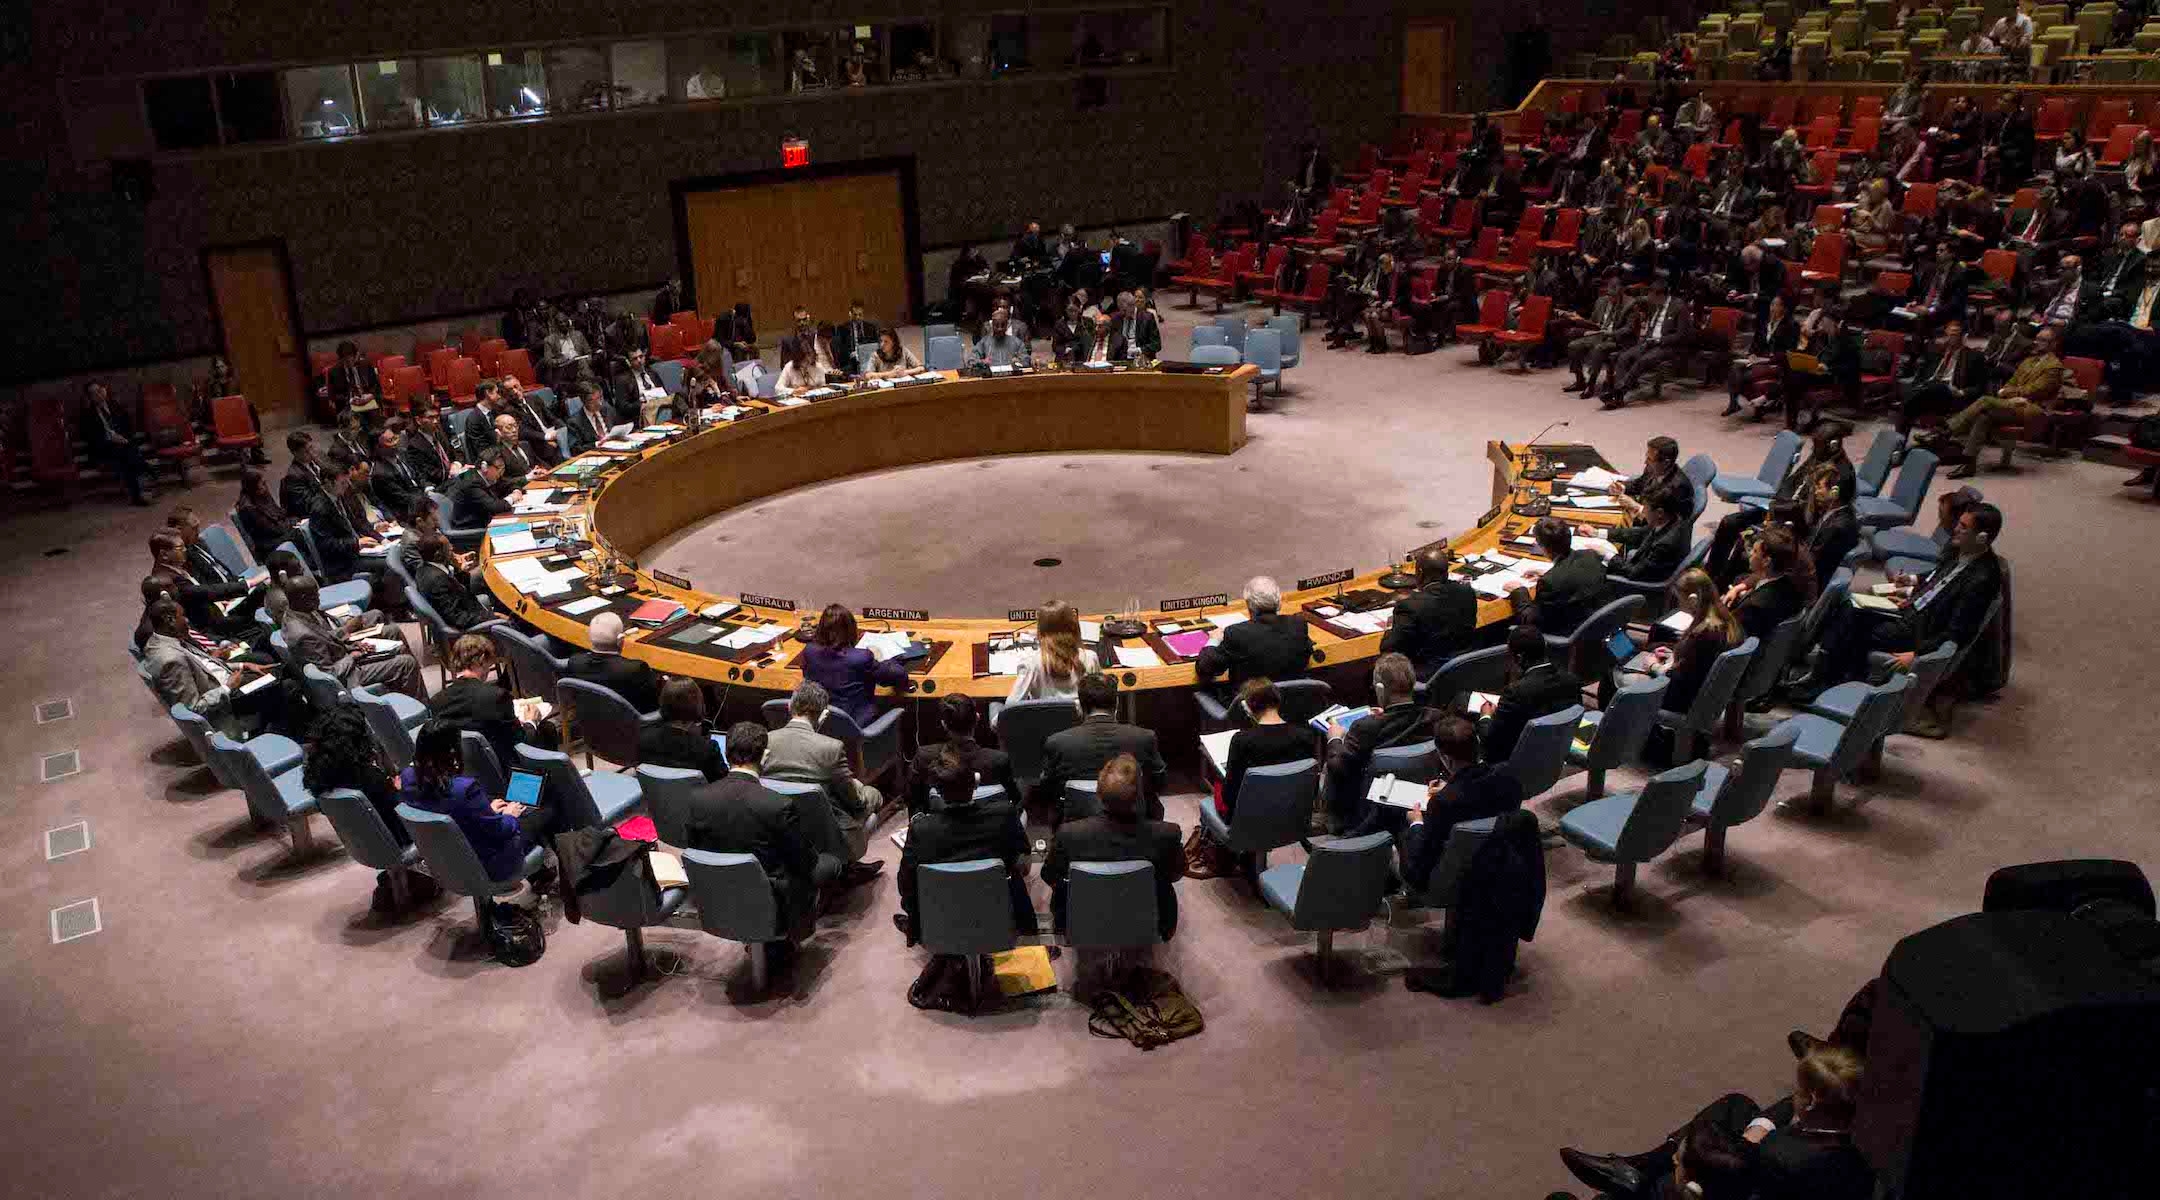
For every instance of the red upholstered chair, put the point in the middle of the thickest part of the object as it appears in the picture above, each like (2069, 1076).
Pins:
(1306, 302)
(52, 444)
(165, 423)
(1199, 265)
(421, 348)
(1431, 216)
(1223, 284)
(232, 423)
(2000, 266)
(2119, 140)
(464, 381)
(2105, 116)
(490, 356)
(1492, 317)
(2054, 118)
(1866, 108)
(1822, 133)
(1824, 168)
(665, 342)
(1366, 215)
(1322, 236)
(406, 387)
(438, 367)
(1895, 284)
(1866, 136)
(1521, 253)
(1696, 161)
(1826, 263)
(1270, 272)
(1566, 233)
(469, 341)
(1629, 124)
(1829, 217)
(519, 364)
(1462, 222)
(1528, 332)
(1487, 250)
(1893, 342)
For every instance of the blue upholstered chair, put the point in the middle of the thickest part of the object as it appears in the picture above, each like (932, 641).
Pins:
(1700, 469)
(1584, 648)
(1022, 728)
(1287, 332)
(465, 538)
(1413, 763)
(1263, 349)
(1703, 717)
(394, 558)
(875, 749)
(966, 910)
(667, 798)
(1471, 671)
(1301, 699)
(1216, 356)
(1655, 592)
(1833, 594)
(1111, 905)
(322, 689)
(1763, 672)
(1868, 477)
(944, 353)
(1541, 753)
(669, 372)
(370, 841)
(280, 800)
(938, 331)
(1834, 748)
(1274, 809)
(393, 736)
(1842, 702)
(630, 904)
(1337, 889)
(451, 862)
(1080, 801)
(734, 901)
(813, 809)
(1763, 484)
(1616, 734)
(1209, 335)
(1730, 798)
(1907, 493)
(1625, 829)
(476, 757)
(227, 549)
(533, 669)
(608, 723)
(599, 799)
(275, 752)
(562, 441)
(1234, 331)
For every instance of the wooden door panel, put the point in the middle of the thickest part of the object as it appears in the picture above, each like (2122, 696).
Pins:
(1428, 67)
(250, 288)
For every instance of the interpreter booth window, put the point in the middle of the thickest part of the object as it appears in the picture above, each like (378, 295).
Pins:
(577, 79)
(813, 60)
(862, 57)
(251, 108)
(726, 68)
(319, 102)
(1139, 36)
(389, 94)
(640, 71)
(182, 115)
(516, 82)
(913, 54)
(453, 90)
(1009, 51)
(967, 47)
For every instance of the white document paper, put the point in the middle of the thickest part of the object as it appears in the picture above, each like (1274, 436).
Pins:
(578, 608)
(382, 645)
(1138, 656)
(1091, 631)
(1595, 478)
(1478, 700)
(1217, 748)
(884, 646)
(1598, 546)
(255, 685)
(718, 609)
(1397, 793)
(1226, 620)
(1007, 662)
(1591, 502)
(513, 543)
(1678, 620)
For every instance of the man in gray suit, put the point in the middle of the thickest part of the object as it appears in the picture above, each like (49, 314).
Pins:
(798, 753)
(1081, 751)
(739, 815)
(312, 637)
(184, 672)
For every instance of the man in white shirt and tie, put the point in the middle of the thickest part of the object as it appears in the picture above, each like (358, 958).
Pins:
(185, 669)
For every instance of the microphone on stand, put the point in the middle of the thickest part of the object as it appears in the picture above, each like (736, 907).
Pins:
(1540, 472)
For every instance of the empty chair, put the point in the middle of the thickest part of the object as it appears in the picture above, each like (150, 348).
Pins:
(876, 749)
(939, 330)
(1616, 735)
(1216, 356)
(943, 354)
(1079, 800)
(1412, 763)
(667, 799)
(1627, 829)
(1209, 335)
(1541, 753)
(275, 752)
(1234, 331)
(632, 904)
(369, 840)
(1471, 671)
(1902, 506)
(280, 800)
(1842, 702)
(227, 549)
(1274, 809)
(1111, 905)
(476, 757)
(608, 723)
(1700, 470)
(1875, 466)
(1708, 710)
(1338, 888)
(1286, 333)
(393, 736)
(1833, 748)
(1763, 484)
(1023, 727)
(1763, 671)
(734, 899)
(451, 862)
(1728, 798)
(1263, 349)
(966, 910)
(533, 670)
(601, 799)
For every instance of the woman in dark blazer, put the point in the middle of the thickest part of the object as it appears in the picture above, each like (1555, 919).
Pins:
(1267, 742)
(500, 832)
(680, 739)
(262, 519)
(851, 674)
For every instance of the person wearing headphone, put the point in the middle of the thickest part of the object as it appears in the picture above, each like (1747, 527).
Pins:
(1951, 603)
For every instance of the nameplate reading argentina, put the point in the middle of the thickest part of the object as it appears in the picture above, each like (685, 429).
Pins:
(1186, 602)
(1326, 579)
(895, 614)
(756, 601)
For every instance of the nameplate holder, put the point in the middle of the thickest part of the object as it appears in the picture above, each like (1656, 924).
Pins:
(1319, 581)
(756, 601)
(895, 614)
(1185, 603)
(672, 580)
(1019, 614)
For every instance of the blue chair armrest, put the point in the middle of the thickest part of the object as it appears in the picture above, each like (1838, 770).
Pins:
(276, 752)
(1211, 708)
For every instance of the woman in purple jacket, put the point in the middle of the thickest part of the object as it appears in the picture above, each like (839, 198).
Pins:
(851, 674)
(501, 832)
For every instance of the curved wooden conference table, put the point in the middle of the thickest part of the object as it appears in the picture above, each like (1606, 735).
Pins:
(649, 494)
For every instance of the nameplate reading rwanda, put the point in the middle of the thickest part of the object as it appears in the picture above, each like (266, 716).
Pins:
(896, 614)
(757, 601)
(1326, 579)
(1189, 602)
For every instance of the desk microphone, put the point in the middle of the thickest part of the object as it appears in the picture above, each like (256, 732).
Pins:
(1540, 472)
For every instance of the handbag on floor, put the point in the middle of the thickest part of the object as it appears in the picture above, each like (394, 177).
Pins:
(1147, 1008)
(1203, 858)
(516, 936)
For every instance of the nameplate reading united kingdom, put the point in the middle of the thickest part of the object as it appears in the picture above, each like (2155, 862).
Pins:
(1186, 602)
(896, 614)
(672, 580)
(1324, 580)
(756, 601)
(1019, 614)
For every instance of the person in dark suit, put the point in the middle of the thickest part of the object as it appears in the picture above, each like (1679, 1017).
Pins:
(958, 829)
(353, 385)
(588, 421)
(1463, 789)
(1267, 644)
(1104, 343)
(1757, 277)
(536, 420)
(956, 715)
(1951, 604)
(1833, 527)
(202, 601)
(426, 452)
(205, 569)
(1652, 551)
(111, 436)
(604, 665)
(1315, 175)
(1437, 621)
(1776, 587)
(679, 739)
(1395, 719)
(391, 480)
(303, 476)
(1668, 326)
(1142, 334)
(1945, 379)
(1800, 1148)
(852, 335)
(1119, 834)
(339, 537)
(1269, 741)
(666, 302)
(635, 385)
(1940, 285)
(442, 583)
(472, 496)
(474, 700)
(1570, 590)
(1540, 688)
(262, 520)
(1081, 751)
(518, 464)
(739, 815)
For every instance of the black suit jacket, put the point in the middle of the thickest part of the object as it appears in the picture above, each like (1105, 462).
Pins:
(298, 489)
(450, 596)
(990, 766)
(335, 535)
(1956, 282)
(738, 815)
(1105, 839)
(958, 833)
(1968, 373)
(199, 599)
(1569, 592)
(1769, 605)
(848, 337)
(1276, 646)
(1761, 287)
(583, 435)
(1080, 752)
(473, 502)
(1832, 538)
(1347, 760)
(668, 744)
(1432, 624)
(343, 386)
(266, 528)
(482, 706)
(429, 457)
(1116, 342)
(1794, 1165)
(395, 487)
(1541, 691)
(626, 677)
(1477, 791)
(1959, 611)
(1650, 555)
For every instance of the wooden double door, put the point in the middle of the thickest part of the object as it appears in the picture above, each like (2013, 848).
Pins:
(817, 242)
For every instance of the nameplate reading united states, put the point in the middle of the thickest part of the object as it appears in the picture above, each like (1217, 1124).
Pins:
(756, 601)
(1328, 578)
(1185, 602)
(896, 614)
(672, 580)
(1019, 614)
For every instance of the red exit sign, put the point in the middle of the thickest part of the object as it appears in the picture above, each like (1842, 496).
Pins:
(795, 152)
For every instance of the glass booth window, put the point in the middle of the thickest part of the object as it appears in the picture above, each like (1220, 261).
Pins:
(516, 84)
(1008, 47)
(249, 107)
(452, 89)
(812, 60)
(181, 112)
(577, 79)
(913, 50)
(725, 67)
(319, 102)
(389, 94)
(640, 72)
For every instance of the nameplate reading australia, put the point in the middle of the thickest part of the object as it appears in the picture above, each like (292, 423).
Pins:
(1187, 602)
(896, 614)
(1019, 614)
(756, 601)
(1324, 580)
(672, 580)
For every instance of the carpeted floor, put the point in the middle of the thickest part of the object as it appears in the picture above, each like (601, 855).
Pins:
(241, 1028)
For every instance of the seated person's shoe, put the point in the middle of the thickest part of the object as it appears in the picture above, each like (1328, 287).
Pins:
(1965, 470)
(1607, 1173)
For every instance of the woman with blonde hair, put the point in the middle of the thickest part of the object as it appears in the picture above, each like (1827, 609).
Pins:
(1059, 660)
(1686, 664)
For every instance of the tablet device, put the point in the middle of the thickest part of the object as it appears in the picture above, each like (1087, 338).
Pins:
(524, 788)
(1621, 645)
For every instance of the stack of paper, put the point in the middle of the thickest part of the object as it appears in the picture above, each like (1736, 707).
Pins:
(1138, 656)
(578, 608)
(1397, 793)
(1596, 545)
(1595, 478)
(512, 543)
(1091, 631)
(1217, 748)
(1007, 662)
(1372, 622)
(718, 609)
(1591, 502)
(884, 646)
(791, 401)
(382, 645)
